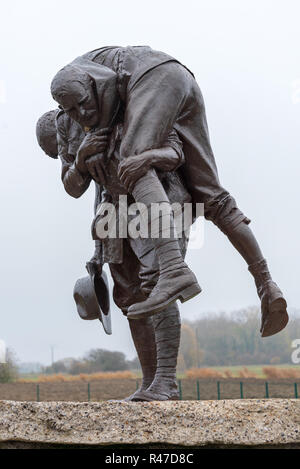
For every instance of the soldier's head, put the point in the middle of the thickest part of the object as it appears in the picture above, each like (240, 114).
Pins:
(46, 133)
(87, 92)
(73, 90)
(56, 130)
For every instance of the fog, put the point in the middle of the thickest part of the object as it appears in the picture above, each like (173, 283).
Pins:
(245, 56)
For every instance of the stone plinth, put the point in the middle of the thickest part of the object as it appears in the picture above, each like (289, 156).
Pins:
(226, 423)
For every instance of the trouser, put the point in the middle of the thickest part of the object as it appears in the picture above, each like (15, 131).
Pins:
(168, 97)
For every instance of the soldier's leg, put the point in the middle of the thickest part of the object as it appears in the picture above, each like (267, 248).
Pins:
(166, 325)
(127, 289)
(152, 108)
(273, 304)
(167, 337)
(235, 225)
(143, 335)
(175, 279)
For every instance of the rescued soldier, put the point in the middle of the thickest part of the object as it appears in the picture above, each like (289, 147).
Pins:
(156, 94)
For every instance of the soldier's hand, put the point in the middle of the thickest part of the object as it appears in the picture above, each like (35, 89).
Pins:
(93, 143)
(96, 167)
(94, 265)
(131, 169)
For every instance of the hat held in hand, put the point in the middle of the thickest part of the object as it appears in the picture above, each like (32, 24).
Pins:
(91, 295)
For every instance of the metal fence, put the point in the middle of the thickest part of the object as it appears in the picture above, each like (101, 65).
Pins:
(271, 390)
(293, 389)
(201, 389)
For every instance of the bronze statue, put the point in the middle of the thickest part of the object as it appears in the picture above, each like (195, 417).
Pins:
(139, 120)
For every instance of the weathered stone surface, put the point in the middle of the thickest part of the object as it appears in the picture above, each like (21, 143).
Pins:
(184, 423)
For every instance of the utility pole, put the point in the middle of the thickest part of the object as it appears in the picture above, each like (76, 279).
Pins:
(198, 348)
(52, 354)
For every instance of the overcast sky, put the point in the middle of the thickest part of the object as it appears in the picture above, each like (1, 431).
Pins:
(245, 56)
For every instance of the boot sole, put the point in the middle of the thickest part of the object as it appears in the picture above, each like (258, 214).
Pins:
(278, 318)
(141, 397)
(189, 293)
(186, 294)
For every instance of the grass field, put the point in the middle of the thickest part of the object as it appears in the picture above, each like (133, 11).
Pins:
(215, 382)
(104, 389)
(285, 371)
(258, 371)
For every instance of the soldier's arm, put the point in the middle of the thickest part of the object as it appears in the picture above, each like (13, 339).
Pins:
(166, 158)
(75, 183)
(169, 157)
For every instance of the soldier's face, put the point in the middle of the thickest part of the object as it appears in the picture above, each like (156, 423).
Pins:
(80, 104)
(75, 137)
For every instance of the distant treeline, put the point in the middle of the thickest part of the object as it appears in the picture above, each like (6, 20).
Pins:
(95, 360)
(234, 339)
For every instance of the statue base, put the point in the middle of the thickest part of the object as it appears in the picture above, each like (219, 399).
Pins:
(263, 423)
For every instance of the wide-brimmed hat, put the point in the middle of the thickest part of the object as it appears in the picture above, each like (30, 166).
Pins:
(91, 295)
